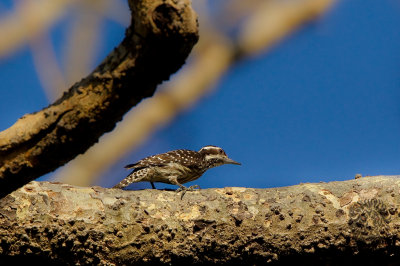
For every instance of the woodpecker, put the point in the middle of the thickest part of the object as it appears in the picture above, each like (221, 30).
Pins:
(176, 167)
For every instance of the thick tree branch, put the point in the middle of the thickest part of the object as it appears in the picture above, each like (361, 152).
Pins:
(159, 39)
(325, 223)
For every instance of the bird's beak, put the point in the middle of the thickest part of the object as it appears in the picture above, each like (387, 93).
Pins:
(230, 161)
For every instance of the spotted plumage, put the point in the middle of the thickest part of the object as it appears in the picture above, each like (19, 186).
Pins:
(176, 167)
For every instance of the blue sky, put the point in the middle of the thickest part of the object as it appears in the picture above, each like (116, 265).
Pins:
(322, 105)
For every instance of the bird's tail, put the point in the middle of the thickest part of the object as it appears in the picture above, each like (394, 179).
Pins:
(120, 185)
(126, 181)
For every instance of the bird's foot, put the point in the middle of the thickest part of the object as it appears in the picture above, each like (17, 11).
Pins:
(192, 188)
(186, 189)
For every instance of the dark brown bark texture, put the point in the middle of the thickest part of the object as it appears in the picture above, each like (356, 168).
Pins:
(156, 44)
(350, 222)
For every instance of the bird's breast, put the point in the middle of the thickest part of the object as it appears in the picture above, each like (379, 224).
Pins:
(184, 174)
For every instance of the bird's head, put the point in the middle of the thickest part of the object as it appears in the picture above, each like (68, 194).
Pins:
(215, 156)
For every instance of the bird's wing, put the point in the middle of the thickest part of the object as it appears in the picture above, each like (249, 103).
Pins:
(185, 157)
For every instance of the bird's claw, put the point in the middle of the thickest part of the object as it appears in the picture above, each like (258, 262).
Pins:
(186, 189)
(192, 188)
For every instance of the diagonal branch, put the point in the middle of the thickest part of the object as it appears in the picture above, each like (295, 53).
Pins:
(159, 39)
(266, 24)
(353, 222)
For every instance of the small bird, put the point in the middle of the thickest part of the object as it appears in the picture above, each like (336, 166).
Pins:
(176, 167)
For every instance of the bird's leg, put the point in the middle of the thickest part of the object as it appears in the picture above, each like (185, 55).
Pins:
(182, 188)
(186, 189)
(191, 188)
(152, 185)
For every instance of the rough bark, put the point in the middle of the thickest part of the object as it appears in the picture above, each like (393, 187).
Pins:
(156, 44)
(345, 222)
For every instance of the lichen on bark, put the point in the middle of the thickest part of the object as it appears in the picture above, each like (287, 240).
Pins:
(345, 222)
